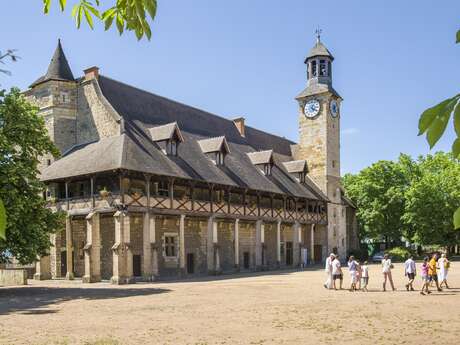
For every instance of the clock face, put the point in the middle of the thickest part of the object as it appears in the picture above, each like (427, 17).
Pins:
(311, 108)
(334, 108)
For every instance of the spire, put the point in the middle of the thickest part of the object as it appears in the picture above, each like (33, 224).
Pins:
(59, 67)
(319, 49)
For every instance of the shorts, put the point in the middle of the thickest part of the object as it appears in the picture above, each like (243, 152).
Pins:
(353, 277)
(434, 277)
(411, 275)
(364, 280)
(426, 278)
(337, 276)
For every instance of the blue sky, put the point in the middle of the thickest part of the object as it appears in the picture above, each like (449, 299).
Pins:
(245, 58)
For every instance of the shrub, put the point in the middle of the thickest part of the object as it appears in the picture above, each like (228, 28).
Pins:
(360, 254)
(399, 253)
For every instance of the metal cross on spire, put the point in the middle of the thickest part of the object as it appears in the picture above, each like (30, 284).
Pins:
(318, 35)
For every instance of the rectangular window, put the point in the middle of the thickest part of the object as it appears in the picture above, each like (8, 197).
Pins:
(267, 169)
(302, 177)
(313, 68)
(171, 148)
(161, 188)
(322, 68)
(170, 246)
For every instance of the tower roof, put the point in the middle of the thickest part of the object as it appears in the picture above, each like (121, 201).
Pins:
(58, 68)
(319, 49)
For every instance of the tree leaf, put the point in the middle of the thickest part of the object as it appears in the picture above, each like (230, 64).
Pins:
(151, 6)
(457, 119)
(108, 22)
(429, 115)
(46, 6)
(92, 10)
(62, 4)
(458, 36)
(438, 126)
(456, 148)
(74, 11)
(2, 220)
(120, 24)
(457, 219)
(89, 19)
(80, 10)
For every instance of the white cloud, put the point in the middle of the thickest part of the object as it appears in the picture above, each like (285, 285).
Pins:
(350, 131)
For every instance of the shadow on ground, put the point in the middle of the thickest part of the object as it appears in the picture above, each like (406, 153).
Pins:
(35, 300)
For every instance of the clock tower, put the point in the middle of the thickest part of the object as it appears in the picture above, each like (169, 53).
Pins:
(319, 140)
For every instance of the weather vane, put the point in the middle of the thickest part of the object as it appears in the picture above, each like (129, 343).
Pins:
(318, 34)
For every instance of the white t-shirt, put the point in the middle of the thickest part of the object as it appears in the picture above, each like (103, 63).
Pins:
(328, 267)
(365, 271)
(336, 267)
(386, 265)
(352, 266)
(409, 265)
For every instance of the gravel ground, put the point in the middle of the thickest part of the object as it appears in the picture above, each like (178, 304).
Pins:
(283, 307)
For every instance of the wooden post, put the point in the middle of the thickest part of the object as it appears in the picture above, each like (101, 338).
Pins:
(93, 200)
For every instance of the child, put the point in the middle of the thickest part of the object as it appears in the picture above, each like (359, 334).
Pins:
(352, 268)
(358, 274)
(425, 277)
(364, 276)
(337, 272)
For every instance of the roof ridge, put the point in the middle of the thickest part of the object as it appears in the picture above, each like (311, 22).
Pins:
(192, 107)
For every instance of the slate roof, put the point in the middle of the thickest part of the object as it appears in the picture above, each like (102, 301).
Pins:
(58, 68)
(316, 89)
(146, 116)
(165, 132)
(214, 144)
(319, 49)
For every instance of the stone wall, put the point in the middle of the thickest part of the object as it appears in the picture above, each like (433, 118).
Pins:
(225, 237)
(11, 277)
(55, 254)
(195, 243)
(270, 251)
(247, 234)
(167, 225)
(287, 239)
(107, 228)
(95, 119)
(78, 242)
(136, 237)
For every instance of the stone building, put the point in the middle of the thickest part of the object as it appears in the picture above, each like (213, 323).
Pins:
(155, 188)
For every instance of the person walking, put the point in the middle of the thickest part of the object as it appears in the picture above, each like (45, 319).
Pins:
(352, 268)
(328, 270)
(337, 272)
(444, 265)
(364, 276)
(386, 269)
(410, 271)
(425, 277)
(432, 270)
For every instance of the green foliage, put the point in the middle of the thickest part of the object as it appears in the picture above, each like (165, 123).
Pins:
(129, 15)
(458, 37)
(411, 199)
(457, 219)
(23, 138)
(360, 254)
(2, 220)
(399, 253)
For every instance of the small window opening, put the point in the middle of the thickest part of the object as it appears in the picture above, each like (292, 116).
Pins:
(267, 169)
(171, 148)
(170, 246)
(313, 68)
(322, 68)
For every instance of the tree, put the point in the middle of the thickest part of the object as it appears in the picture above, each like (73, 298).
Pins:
(433, 122)
(23, 138)
(128, 15)
(378, 192)
(432, 198)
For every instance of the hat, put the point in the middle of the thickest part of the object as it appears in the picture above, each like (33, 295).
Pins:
(332, 254)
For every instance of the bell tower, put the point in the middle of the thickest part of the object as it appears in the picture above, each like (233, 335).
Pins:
(319, 136)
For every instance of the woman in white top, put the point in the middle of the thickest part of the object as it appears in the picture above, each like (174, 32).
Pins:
(386, 269)
(443, 269)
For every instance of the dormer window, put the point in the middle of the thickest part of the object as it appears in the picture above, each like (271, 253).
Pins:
(262, 160)
(297, 169)
(168, 137)
(215, 149)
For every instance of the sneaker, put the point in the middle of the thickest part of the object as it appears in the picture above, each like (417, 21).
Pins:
(412, 289)
(440, 290)
(428, 292)
(422, 293)
(325, 286)
(407, 287)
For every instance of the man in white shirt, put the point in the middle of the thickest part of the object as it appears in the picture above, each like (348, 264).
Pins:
(328, 270)
(337, 272)
(410, 271)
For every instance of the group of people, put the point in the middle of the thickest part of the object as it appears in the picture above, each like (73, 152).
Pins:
(433, 270)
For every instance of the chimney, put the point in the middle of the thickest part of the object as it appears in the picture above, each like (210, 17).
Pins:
(91, 73)
(239, 123)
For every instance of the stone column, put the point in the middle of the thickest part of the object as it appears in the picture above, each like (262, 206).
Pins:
(215, 241)
(237, 244)
(210, 246)
(92, 249)
(296, 244)
(278, 243)
(146, 249)
(55, 255)
(122, 255)
(154, 246)
(69, 248)
(43, 268)
(259, 225)
(182, 243)
(312, 244)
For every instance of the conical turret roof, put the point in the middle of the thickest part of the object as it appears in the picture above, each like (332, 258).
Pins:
(319, 49)
(58, 68)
